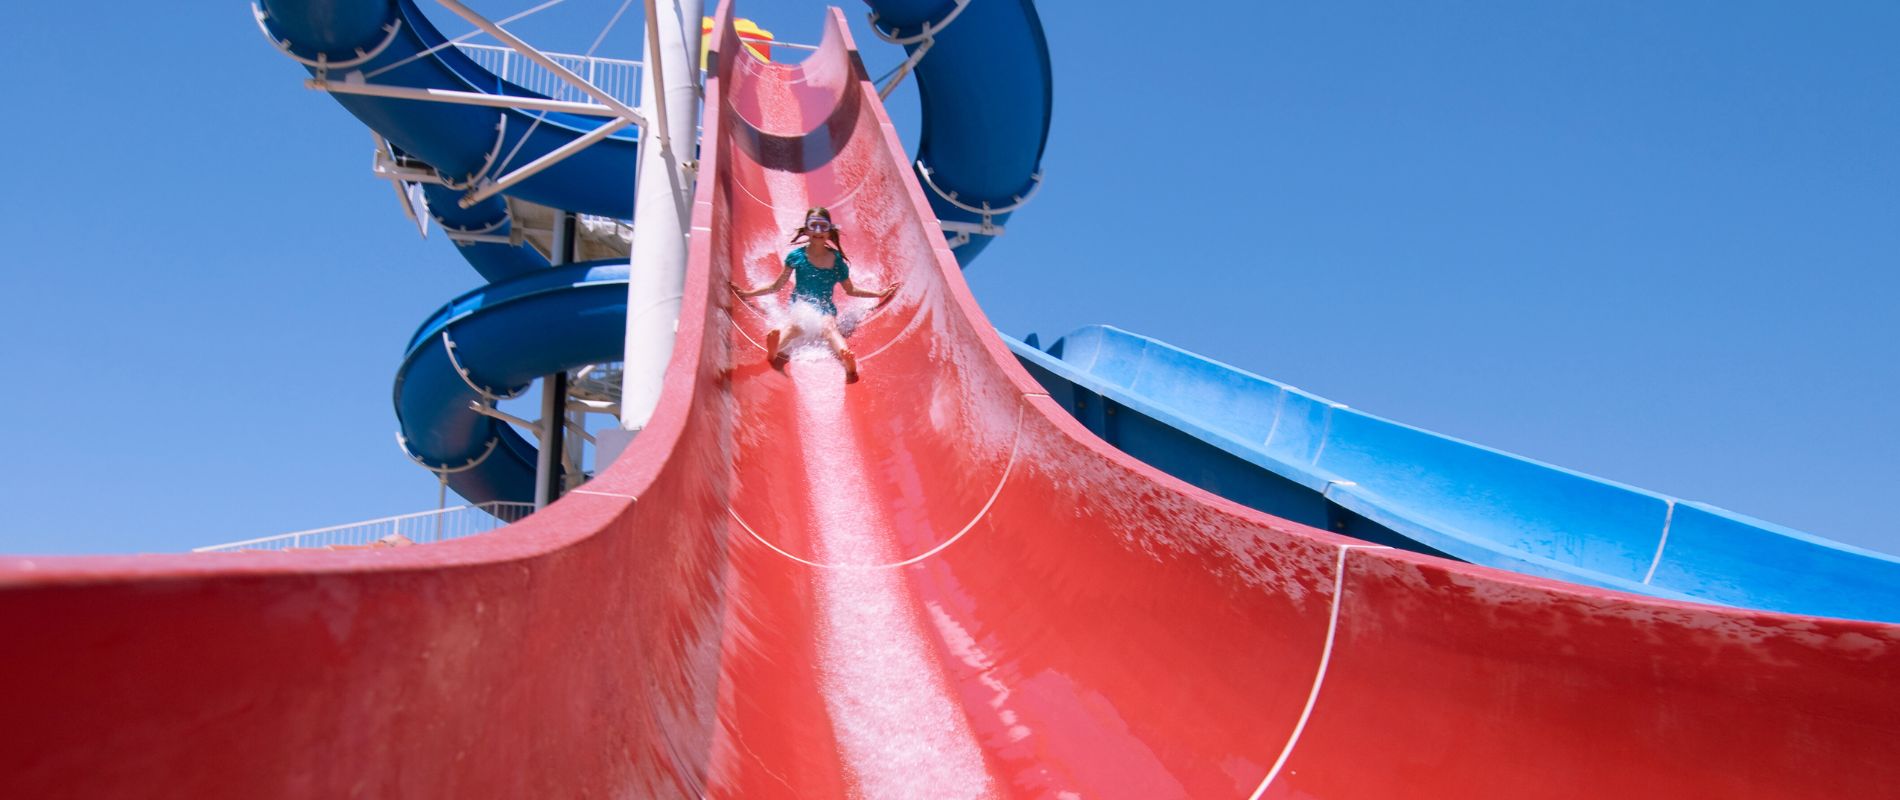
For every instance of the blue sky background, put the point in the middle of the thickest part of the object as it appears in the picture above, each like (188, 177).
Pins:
(1653, 241)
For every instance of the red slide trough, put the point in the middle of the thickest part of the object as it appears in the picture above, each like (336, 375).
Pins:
(932, 584)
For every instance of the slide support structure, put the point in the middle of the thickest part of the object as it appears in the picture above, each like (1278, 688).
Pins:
(662, 210)
(550, 461)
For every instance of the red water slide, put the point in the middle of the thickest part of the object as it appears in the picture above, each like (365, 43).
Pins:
(932, 584)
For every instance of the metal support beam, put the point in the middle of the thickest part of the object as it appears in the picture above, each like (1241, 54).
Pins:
(388, 171)
(658, 67)
(467, 98)
(576, 425)
(549, 159)
(492, 412)
(480, 238)
(903, 70)
(573, 449)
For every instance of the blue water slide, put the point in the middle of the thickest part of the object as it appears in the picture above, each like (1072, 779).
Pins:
(987, 93)
(1306, 458)
(492, 343)
(464, 143)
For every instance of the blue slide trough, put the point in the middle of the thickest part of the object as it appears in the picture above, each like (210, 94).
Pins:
(462, 142)
(494, 342)
(1309, 459)
(987, 93)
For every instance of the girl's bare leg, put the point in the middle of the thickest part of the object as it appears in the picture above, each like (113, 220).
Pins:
(773, 341)
(844, 352)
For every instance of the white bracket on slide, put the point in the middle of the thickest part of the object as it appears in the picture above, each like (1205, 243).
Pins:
(988, 227)
(930, 29)
(408, 175)
(488, 161)
(924, 39)
(444, 472)
(965, 230)
(322, 62)
(448, 347)
(411, 170)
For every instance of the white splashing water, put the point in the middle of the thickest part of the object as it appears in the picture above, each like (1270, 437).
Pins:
(899, 729)
(808, 324)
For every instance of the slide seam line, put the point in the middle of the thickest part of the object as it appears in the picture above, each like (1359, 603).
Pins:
(1009, 468)
(1319, 676)
(602, 494)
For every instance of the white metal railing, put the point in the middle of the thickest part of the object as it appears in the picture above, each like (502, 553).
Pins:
(618, 77)
(422, 527)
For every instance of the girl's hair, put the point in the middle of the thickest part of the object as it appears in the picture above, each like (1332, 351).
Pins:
(802, 235)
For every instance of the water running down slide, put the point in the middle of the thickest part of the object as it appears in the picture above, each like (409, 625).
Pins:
(1311, 460)
(933, 584)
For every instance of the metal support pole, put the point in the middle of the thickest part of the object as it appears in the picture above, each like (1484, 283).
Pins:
(550, 463)
(576, 468)
(662, 212)
(904, 69)
(657, 66)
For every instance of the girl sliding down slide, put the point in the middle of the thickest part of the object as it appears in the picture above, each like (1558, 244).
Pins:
(815, 273)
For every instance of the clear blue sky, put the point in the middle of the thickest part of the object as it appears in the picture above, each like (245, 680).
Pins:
(1654, 241)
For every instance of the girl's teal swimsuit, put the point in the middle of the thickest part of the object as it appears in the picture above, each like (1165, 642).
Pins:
(814, 285)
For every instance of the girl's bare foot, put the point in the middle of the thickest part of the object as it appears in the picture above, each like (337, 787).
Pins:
(772, 355)
(850, 366)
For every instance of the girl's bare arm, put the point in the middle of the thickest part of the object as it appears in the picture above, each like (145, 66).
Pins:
(854, 291)
(777, 284)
